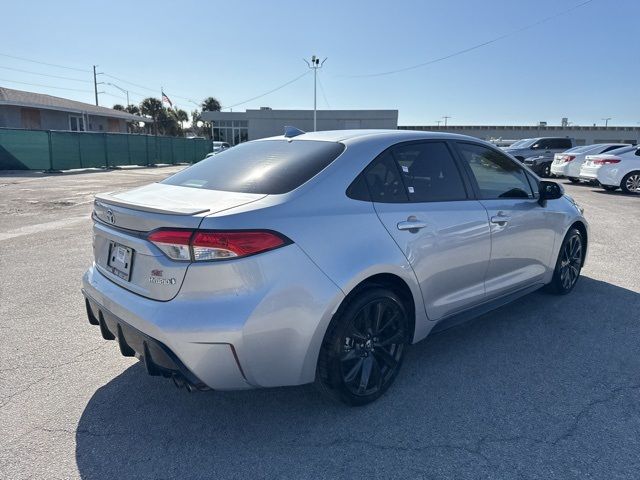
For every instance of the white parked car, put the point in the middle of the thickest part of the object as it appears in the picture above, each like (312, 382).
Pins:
(567, 164)
(616, 169)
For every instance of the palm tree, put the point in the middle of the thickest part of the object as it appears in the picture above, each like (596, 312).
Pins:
(181, 115)
(133, 109)
(211, 104)
(152, 107)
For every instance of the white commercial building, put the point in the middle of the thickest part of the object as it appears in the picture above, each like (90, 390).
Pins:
(238, 127)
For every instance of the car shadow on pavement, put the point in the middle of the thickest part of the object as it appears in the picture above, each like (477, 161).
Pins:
(547, 387)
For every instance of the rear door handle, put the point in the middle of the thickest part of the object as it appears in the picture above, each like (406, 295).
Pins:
(411, 224)
(501, 220)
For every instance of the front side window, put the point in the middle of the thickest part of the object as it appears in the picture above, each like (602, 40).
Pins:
(268, 167)
(497, 175)
(429, 172)
(558, 143)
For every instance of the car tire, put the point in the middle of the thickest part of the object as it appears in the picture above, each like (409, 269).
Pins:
(609, 188)
(630, 184)
(574, 180)
(546, 171)
(569, 263)
(363, 347)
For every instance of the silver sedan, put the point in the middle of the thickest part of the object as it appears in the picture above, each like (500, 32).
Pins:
(321, 257)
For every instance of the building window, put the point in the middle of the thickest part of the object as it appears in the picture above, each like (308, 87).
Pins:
(76, 123)
(233, 135)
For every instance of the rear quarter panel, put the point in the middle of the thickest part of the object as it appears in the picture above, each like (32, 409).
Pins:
(342, 236)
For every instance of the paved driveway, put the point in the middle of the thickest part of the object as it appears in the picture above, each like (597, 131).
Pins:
(548, 387)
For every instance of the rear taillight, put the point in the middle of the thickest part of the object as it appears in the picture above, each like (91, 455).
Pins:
(605, 161)
(568, 158)
(174, 243)
(204, 245)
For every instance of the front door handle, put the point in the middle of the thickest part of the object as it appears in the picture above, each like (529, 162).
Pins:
(500, 219)
(412, 224)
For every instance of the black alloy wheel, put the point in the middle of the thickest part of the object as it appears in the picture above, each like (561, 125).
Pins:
(364, 347)
(569, 263)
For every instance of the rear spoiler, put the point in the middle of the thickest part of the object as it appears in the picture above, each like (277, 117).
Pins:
(110, 199)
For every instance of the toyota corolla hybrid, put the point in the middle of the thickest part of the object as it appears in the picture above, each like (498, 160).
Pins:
(321, 257)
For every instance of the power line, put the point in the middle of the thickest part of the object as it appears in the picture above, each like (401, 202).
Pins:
(44, 63)
(269, 92)
(130, 83)
(44, 74)
(474, 47)
(323, 94)
(46, 86)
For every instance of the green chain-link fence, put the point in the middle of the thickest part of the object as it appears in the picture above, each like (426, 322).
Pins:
(53, 150)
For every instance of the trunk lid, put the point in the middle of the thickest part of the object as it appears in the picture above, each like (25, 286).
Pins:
(122, 221)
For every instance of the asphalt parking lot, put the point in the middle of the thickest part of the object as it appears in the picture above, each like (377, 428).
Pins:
(547, 387)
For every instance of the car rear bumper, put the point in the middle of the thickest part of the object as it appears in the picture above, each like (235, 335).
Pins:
(254, 322)
(589, 173)
(559, 169)
(158, 359)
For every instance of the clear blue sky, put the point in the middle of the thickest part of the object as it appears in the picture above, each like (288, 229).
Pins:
(583, 65)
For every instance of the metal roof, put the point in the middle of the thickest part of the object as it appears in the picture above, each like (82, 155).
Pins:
(20, 98)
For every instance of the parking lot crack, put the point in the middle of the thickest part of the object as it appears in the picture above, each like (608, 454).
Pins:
(584, 411)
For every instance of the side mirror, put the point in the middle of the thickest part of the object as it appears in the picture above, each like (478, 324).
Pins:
(535, 146)
(549, 191)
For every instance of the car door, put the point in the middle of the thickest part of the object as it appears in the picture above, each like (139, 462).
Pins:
(522, 233)
(425, 204)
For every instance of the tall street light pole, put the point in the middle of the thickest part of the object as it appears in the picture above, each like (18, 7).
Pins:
(606, 121)
(121, 89)
(446, 117)
(315, 65)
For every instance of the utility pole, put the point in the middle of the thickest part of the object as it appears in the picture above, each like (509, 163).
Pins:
(438, 122)
(606, 121)
(446, 117)
(315, 65)
(95, 84)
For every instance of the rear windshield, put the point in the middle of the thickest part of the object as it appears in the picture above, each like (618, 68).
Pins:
(268, 167)
(621, 150)
(582, 149)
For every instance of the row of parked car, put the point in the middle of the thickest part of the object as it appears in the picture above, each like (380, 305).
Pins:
(610, 165)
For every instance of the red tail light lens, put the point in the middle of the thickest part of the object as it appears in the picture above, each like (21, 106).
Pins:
(215, 245)
(569, 158)
(606, 161)
(204, 245)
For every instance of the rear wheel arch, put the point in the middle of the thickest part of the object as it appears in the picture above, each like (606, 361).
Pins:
(623, 182)
(391, 282)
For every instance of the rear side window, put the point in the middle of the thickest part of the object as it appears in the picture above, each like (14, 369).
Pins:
(429, 172)
(383, 180)
(497, 175)
(267, 167)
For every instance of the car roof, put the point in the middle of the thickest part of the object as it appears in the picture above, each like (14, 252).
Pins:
(389, 135)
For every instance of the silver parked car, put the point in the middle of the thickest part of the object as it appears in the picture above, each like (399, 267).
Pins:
(322, 256)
